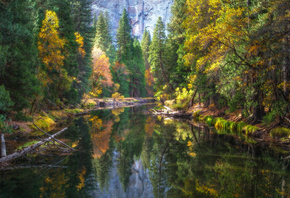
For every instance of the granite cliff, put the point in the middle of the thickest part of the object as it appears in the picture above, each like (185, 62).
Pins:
(143, 13)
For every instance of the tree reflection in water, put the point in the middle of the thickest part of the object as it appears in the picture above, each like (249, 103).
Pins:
(125, 153)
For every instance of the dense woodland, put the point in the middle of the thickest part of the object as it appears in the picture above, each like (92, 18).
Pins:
(235, 54)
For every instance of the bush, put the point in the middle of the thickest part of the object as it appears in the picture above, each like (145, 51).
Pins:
(270, 117)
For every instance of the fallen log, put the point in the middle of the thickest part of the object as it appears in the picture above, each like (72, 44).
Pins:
(53, 137)
(29, 149)
(33, 166)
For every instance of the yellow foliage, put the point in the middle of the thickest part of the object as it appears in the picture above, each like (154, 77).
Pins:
(50, 44)
(80, 42)
(117, 95)
(81, 176)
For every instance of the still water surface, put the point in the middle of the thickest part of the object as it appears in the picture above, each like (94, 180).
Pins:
(126, 153)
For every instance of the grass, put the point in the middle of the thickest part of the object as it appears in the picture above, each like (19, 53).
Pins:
(240, 126)
(209, 120)
(250, 129)
(222, 124)
(280, 132)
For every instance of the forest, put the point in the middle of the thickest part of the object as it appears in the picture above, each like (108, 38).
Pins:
(54, 54)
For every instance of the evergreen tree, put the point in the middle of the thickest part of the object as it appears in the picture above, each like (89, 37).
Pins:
(145, 45)
(18, 54)
(82, 20)
(103, 39)
(124, 52)
(158, 57)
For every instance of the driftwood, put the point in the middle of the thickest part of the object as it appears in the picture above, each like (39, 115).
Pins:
(30, 148)
(53, 138)
(171, 113)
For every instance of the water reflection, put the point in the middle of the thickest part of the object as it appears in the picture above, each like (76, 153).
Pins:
(125, 153)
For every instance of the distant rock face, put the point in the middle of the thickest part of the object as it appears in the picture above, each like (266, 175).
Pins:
(143, 13)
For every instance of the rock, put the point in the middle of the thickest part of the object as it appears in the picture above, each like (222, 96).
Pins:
(143, 13)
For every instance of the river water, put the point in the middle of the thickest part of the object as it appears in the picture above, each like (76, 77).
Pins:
(127, 153)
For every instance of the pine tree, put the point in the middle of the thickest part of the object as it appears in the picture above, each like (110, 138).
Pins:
(124, 52)
(145, 45)
(158, 57)
(18, 54)
(103, 38)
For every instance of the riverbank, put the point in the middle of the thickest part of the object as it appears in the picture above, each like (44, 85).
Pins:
(276, 133)
(24, 131)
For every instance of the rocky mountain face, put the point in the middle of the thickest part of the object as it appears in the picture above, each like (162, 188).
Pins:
(143, 13)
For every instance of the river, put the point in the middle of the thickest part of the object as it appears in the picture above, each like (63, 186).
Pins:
(127, 153)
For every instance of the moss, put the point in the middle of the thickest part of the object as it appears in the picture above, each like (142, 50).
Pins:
(43, 122)
(27, 144)
(281, 133)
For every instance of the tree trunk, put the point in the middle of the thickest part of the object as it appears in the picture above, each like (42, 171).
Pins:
(29, 149)
(3, 146)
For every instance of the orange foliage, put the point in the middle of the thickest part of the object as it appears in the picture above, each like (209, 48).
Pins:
(81, 176)
(149, 126)
(120, 68)
(101, 68)
(101, 140)
(149, 81)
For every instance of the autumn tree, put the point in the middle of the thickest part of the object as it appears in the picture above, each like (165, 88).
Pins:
(101, 75)
(53, 76)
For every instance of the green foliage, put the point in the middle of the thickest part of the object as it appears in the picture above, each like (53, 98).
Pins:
(209, 120)
(182, 98)
(250, 129)
(196, 114)
(4, 127)
(222, 124)
(240, 126)
(233, 127)
(281, 133)
(20, 116)
(27, 144)
(19, 58)
(5, 100)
